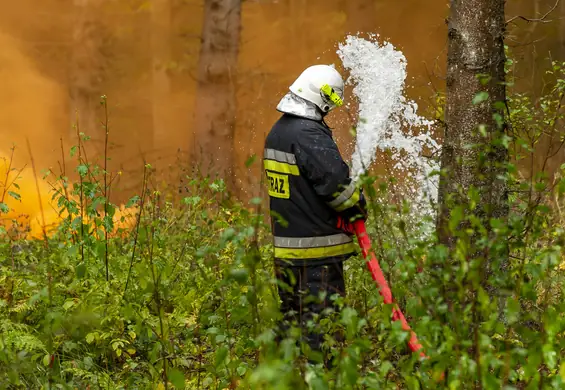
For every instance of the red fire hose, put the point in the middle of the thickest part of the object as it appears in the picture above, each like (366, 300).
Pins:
(384, 289)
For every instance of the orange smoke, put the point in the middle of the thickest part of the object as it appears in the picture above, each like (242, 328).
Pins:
(19, 192)
(32, 107)
(31, 206)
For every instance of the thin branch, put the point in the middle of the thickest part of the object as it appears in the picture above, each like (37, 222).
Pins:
(520, 44)
(539, 20)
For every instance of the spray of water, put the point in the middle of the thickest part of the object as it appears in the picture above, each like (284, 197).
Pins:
(388, 121)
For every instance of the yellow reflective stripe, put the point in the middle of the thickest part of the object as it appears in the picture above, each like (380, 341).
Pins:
(314, 253)
(312, 242)
(280, 167)
(353, 199)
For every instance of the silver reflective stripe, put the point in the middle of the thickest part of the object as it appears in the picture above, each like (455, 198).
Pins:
(312, 242)
(277, 155)
(346, 194)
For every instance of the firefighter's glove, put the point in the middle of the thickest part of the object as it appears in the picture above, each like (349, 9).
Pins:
(359, 211)
(347, 217)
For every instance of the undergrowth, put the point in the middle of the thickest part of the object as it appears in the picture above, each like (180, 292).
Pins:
(173, 291)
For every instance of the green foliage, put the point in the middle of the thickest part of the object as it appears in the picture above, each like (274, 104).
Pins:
(185, 297)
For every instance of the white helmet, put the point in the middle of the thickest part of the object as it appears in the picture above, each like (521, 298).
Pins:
(321, 85)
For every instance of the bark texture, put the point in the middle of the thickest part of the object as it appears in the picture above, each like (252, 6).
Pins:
(476, 47)
(216, 97)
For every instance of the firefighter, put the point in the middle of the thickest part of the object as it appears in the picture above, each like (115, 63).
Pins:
(313, 202)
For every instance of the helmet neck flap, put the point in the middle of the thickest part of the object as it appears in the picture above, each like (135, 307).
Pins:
(295, 105)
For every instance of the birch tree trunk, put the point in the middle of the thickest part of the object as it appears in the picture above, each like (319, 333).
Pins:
(216, 96)
(476, 47)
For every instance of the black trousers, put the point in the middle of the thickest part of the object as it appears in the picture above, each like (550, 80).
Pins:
(299, 290)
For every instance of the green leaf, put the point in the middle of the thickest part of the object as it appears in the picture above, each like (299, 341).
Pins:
(456, 217)
(177, 378)
(540, 186)
(133, 200)
(82, 170)
(550, 356)
(111, 210)
(512, 310)
(241, 370)
(484, 78)
(4, 208)
(80, 270)
(221, 354)
(217, 185)
(240, 275)
(88, 362)
(385, 368)
(250, 160)
(480, 97)
(228, 234)
(46, 360)
(499, 119)
(192, 200)
(505, 140)
(474, 197)
(14, 195)
(318, 383)
(73, 150)
(483, 298)
(108, 221)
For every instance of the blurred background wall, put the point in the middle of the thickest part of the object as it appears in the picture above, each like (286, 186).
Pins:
(147, 57)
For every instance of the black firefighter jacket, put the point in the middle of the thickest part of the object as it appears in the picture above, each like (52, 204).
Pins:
(309, 186)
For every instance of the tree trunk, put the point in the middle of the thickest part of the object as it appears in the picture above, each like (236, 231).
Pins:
(476, 47)
(562, 31)
(161, 89)
(216, 97)
(86, 70)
